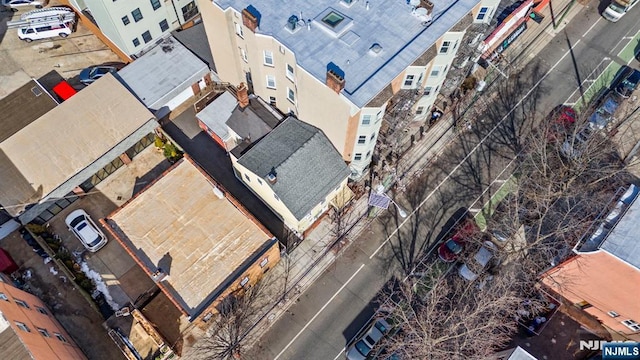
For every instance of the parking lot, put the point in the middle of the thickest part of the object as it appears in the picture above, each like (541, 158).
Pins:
(22, 61)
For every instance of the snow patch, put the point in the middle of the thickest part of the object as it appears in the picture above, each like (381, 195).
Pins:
(100, 285)
(53, 270)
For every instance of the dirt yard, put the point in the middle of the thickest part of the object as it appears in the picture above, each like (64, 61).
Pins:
(73, 311)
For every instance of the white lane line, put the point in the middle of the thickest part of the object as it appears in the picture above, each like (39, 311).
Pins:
(384, 243)
(319, 311)
(592, 26)
(339, 355)
(588, 76)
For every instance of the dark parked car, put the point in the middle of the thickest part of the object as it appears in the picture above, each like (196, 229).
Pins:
(628, 82)
(91, 74)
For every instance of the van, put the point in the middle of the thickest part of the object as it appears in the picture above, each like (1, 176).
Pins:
(31, 33)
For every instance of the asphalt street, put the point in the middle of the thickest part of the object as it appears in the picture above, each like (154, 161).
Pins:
(339, 303)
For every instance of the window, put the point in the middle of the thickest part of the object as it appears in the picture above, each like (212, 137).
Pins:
(632, 325)
(445, 47)
(22, 303)
(247, 177)
(155, 4)
(22, 326)
(60, 337)
(435, 71)
(276, 196)
(373, 136)
(259, 181)
(428, 90)
(290, 72)
(368, 154)
(190, 10)
(125, 20)
(268, 58)
(357, 157)
(408, 81)
(583, 304)
(271, 82)
(42, 310)
(137, 15)
(243, 55)
(366, 119)
(244, 281)
(146, 36)
(238, 29)
(136, 42)
(264, 262)
(3, 297)
(362, 139)
(291, 95)
(613, 314)
(482, 13)
(420, 110)
(43, 332)
(164, 25)
(272, 100)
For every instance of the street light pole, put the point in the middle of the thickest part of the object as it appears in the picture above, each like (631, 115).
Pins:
(401, 211)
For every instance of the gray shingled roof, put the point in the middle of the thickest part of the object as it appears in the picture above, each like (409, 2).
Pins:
(307, 165)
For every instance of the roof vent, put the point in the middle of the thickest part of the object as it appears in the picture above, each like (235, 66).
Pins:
(36, 91)
(375, 49)
(292, 23)
(271, 177)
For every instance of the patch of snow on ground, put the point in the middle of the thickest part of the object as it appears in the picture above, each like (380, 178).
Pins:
(100, 285)
(53, 270)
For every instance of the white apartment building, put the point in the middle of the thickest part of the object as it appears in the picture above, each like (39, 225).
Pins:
(135, 25)
(337, 63)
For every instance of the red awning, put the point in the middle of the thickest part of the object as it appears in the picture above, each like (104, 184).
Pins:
(64, 90)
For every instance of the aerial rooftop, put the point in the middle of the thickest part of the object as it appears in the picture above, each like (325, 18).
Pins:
(344, 34)
(179, 224)
(305, 162)
(162, 73)
(623, 240)
(46, 154)
(22, 107)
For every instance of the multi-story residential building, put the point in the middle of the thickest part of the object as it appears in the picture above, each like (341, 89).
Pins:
(601, 278)
(135, 25)
(28, 330)
(337, 63)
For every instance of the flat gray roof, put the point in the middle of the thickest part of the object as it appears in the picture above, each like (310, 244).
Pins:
(215, 115)
(162, 73)
(623, 241)
(389, 23)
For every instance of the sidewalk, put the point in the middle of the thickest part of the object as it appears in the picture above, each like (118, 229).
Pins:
(319, 250)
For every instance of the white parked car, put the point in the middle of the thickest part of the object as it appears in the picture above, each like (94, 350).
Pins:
(81, 225)
(473, 268)
(29, 34)
(16, 4)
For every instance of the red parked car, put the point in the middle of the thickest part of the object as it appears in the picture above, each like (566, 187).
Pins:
(561, 118)
(449, 250)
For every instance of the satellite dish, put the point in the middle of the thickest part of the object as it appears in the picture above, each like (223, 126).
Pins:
(414, 2)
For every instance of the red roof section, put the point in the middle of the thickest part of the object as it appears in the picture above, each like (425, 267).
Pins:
(64, 90)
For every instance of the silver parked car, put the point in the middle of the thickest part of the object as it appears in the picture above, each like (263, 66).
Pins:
(81, 225)
(475, 266)
(361, 348)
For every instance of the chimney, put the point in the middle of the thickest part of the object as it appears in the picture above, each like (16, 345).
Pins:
(271, 177)
(243, 96)
(249, 19)
(335, 81)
